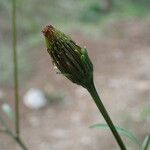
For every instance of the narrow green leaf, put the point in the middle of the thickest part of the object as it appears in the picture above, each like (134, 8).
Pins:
(146, 143)
(122, 131)
(8, 111)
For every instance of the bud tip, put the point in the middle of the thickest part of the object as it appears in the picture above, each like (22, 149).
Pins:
(47, 30)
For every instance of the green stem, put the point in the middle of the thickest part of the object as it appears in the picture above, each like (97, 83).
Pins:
(15, 136)
(92, 90)
(16, 92)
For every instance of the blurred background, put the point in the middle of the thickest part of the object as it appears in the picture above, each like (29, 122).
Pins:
(56, 114)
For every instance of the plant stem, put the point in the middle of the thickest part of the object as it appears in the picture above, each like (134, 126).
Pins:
(16, 138)
(92, 90)
(7, 130)
(16, 92)
(20, 142)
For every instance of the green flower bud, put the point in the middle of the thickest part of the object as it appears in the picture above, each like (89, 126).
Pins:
(72, 60)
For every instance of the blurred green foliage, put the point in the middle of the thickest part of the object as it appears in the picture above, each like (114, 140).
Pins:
(32, 15)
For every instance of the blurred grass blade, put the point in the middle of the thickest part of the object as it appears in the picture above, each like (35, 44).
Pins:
(120, 130)
(146, 143)
(8, 111)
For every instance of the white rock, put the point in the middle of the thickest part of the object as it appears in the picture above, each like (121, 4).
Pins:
(34, 99)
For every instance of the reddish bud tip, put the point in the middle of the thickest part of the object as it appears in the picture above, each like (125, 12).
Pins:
(48, 30)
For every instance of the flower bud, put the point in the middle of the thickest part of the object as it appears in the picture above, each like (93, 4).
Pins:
(72, 60)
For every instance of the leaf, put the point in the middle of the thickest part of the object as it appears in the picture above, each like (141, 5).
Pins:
(8, 111)
(122, 131)
(146, 143)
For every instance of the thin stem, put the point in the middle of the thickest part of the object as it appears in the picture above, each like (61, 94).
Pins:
(92, 90)
(16, 138)
(20, 142)
(16, 92)
(7, 130)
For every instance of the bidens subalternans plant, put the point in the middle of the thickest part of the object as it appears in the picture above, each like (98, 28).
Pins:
(74, 63)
